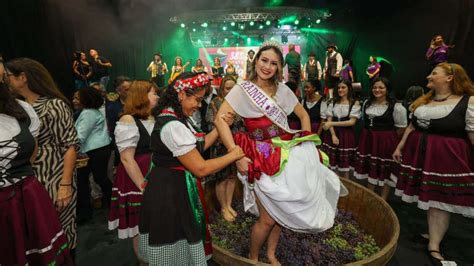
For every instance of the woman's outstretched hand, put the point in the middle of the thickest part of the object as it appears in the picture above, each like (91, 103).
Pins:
(237, 152)
(228, 118)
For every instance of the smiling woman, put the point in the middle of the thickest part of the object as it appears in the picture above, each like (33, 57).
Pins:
(179, 236)
(278, 189)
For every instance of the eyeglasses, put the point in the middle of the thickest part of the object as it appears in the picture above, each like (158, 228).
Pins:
(198, 99)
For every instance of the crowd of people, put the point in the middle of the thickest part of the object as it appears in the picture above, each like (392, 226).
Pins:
(151, 145)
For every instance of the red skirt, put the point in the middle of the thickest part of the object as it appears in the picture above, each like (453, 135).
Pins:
(29, 227)
(374, 157)
(265, 157)
(341, 156)
(126, 200)
(438, 173)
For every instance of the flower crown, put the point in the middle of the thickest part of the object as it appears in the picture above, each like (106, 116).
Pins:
(191, 83)
(272, 44)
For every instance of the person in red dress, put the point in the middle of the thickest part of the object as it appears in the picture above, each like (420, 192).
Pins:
(285, 182)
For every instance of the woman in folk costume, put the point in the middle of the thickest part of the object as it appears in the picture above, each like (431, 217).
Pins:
(132, 136)
(217, 72)
(285, 182)
(384, 122)
(177, 69)
(30, 229)
(342, 114)
(436, 152)
(173, 221)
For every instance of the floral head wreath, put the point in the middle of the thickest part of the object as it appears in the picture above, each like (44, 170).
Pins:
(191, 83)
(272, 44)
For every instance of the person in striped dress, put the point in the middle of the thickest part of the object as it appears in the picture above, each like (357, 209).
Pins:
(57, 140)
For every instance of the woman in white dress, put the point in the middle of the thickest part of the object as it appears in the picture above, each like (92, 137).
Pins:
(285, 182)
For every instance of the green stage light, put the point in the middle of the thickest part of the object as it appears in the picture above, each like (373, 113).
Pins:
(226, 40)
(183, 25)
(232, 24)
(242, 27)
(268, 22)
(252, 23)
(199, 40)
(204, 25)
(224, 28)
(249, 40)
(260, 27)
(194, 30)
(297, 22)
(318, 21)
(272, 38)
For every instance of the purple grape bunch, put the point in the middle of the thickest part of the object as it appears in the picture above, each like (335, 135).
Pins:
(344, 243)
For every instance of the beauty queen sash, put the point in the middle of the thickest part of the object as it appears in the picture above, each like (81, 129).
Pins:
(267, 106)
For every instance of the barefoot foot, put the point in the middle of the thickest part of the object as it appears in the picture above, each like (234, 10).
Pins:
(227, 215)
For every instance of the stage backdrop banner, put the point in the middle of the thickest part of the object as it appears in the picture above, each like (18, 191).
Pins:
(238, 56)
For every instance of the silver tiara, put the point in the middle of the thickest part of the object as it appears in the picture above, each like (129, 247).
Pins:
(271, 43)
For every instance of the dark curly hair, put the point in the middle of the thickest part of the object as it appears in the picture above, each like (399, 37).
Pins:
(90, 98)
(169, 98)
(316, 84)
(390, 98)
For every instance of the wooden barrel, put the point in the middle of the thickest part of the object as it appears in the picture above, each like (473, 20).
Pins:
(372, 213)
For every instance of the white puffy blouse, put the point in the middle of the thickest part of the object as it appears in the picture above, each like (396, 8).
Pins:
(341, 110)
(427, 112)
(127, 134)
(399, 113)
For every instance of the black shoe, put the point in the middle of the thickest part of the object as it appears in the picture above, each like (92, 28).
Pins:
(435, 261)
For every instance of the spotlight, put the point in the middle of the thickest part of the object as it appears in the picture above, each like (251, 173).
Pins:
(299, 37)
(268, 22)
(194, 29)
(297, 22)
(252, 23)
(183, 25)
(232, 24)
(249, 40)
(226, 40)
(260, 26)
(318, 21)
(272, 38)
(204, 25)
(242, 26)
(224, 28)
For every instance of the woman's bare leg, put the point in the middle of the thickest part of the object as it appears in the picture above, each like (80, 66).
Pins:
(260, 232)
(229, 193)
(438, 223)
